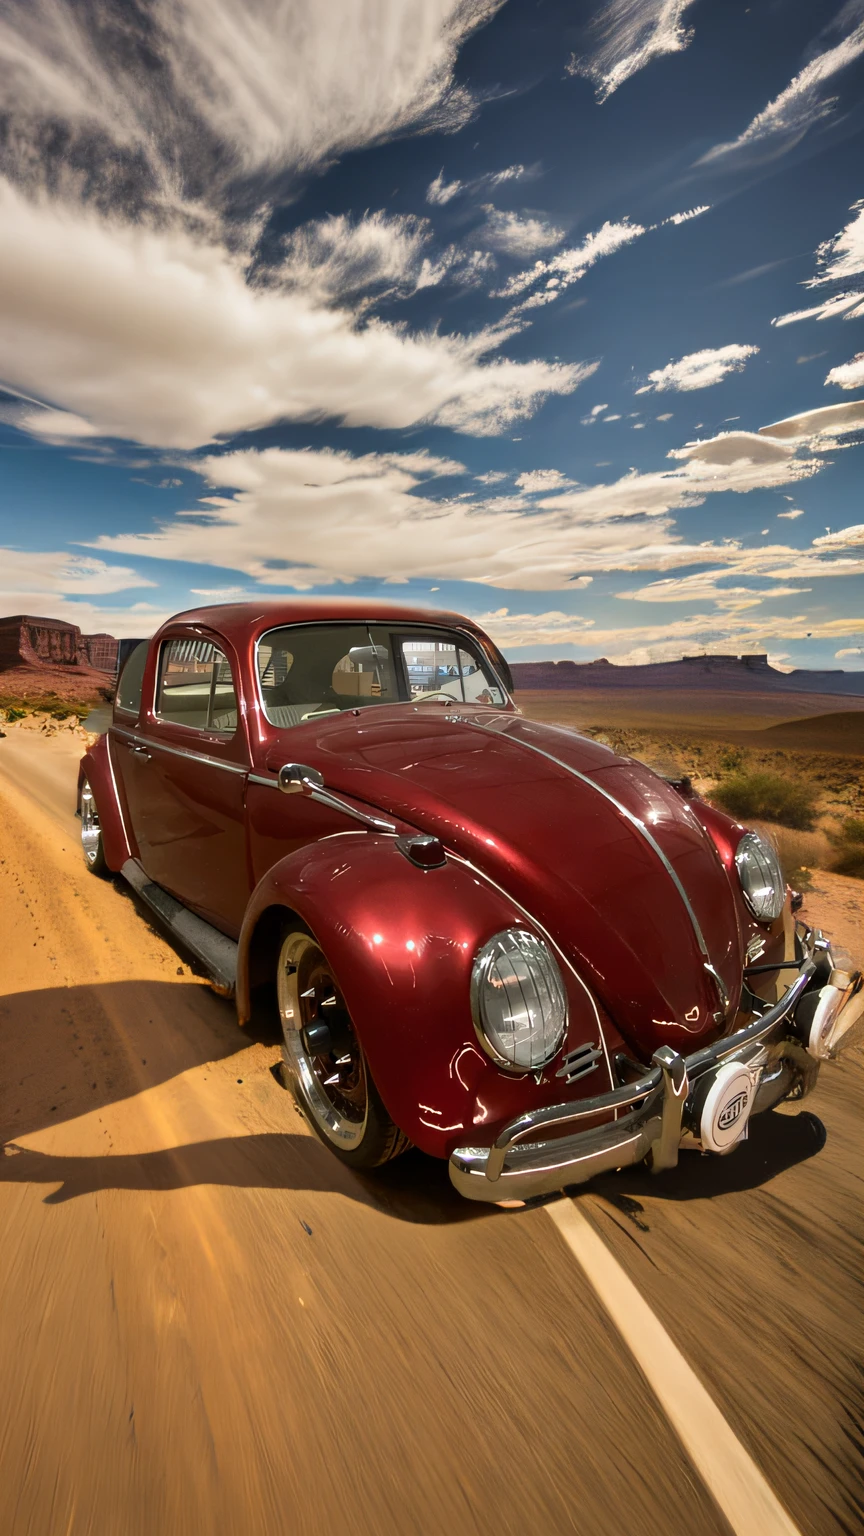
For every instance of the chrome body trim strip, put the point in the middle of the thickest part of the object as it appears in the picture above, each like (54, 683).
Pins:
(118, 802)
(336, 803)
(149, 744)
(514, 1167)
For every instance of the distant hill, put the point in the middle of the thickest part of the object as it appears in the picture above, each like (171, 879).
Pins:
(706, 673)
(842, 733)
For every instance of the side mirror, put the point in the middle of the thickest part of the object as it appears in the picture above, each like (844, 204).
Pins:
(297, 779)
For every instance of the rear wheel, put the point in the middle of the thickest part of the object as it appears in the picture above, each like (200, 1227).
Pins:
(324, 1062)
(91, 833)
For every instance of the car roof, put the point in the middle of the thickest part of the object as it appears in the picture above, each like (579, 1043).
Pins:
(240, 622)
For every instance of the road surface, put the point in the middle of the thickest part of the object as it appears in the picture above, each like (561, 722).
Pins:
(208, 1326)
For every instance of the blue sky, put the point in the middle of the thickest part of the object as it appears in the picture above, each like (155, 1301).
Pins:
(481, 303)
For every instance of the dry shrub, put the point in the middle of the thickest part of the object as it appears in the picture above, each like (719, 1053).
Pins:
(768, 797)
(799, 852)
(848, 856)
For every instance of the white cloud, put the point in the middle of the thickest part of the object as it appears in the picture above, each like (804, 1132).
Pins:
(710, 586)
(625, 36)
(569, 266)
(492, 477)
(515, 235)
(158, 337)
(699, 370)
(851, 650)
(849, 305)
(842, 256)
(535, 480)
(440, 191)
(804, 103)
(375, 516)
(684, 218)
(821, 425)
(797, 513)
(23, 571)
(231, 88)
(848, 375)
(838, 260)
(337, 257)
(56, 583)
(655, 642)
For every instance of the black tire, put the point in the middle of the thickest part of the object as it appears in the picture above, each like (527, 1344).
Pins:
(91, 835)
(333, 1085)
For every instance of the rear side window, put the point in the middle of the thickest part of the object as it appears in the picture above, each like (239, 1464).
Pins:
(129, 687)
(196, 687)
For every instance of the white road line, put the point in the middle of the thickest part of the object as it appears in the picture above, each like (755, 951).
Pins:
(731, 1476)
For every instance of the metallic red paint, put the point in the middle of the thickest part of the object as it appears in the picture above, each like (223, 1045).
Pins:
(530, 841)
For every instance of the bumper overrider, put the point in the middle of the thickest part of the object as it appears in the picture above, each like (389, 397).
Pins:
(704, 1100)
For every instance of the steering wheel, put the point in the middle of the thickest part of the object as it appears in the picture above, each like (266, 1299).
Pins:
(435, 693)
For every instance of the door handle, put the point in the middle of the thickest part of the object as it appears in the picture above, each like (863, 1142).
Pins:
(139, 751)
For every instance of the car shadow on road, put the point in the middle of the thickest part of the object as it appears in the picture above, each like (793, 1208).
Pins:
(777, 1141)
(68, 1051)
(417, 1190)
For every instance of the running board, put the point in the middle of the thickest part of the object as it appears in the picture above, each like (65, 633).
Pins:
(217, 953)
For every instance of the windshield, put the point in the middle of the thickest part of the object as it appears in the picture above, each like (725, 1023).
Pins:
(308, 670)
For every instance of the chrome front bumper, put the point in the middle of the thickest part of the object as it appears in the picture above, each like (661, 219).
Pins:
(820, 1013)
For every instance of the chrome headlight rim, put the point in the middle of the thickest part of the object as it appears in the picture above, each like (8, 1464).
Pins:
(530, 947)
(754, 847)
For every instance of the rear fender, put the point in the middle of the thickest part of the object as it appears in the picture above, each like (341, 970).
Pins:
(96, 767)
(401, 942)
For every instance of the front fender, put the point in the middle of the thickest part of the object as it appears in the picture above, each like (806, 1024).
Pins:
(96, 767)
(401, 942)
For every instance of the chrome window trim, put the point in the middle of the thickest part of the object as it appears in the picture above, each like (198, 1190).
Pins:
(641, 829)
(228, 735)
(162, 746)
(393, 626)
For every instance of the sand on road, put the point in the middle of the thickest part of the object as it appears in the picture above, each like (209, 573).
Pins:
(207, 1325)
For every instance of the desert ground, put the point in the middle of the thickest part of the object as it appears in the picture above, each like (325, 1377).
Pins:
(207, 1325)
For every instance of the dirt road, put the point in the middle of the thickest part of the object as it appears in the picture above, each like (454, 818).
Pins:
(207, 1326)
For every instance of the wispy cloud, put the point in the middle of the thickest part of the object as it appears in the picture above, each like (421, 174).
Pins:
(848, 375)
(839, 260)
(441, 191)
(686, 216)
(376, 516)
(159, 337)
(665, 641)
(699, 370)
(138, 302)
(568, 266)
(190, 95)
(625, 36)
(516, 234)
(805, 101)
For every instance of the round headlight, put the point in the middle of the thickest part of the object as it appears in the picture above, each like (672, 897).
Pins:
(518, 1001)
(761, 877)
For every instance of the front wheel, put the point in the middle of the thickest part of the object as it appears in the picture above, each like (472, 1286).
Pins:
(324, 1062)
(91, 833)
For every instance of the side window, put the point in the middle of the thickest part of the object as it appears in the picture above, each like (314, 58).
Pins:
(439, 664)
(128, 697)
(196, 687)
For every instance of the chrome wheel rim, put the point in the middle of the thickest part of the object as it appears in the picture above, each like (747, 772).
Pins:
(90, 833)
(331, 1082)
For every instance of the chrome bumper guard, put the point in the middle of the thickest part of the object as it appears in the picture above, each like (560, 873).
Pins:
(820, 1013)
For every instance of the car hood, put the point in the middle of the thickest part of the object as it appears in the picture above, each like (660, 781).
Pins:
(597, 848)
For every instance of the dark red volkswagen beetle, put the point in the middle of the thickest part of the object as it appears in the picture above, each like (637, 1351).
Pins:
(494, 939)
